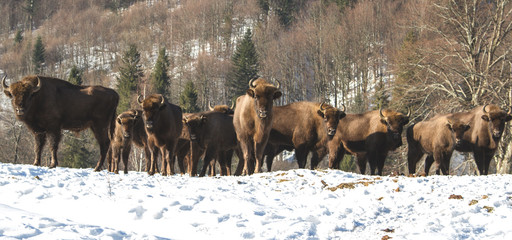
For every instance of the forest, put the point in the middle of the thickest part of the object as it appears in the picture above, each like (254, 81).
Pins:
(429, 56)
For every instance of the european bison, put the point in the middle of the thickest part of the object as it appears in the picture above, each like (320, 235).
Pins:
(370, 135)
(213, 134)
(47, 105)
(487, 124)
(305, 127)
(253, 120)
(163, 126)
(129, 129)
(222, 108)
(437, 138)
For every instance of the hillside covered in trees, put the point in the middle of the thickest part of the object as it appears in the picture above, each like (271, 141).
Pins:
(430, 56)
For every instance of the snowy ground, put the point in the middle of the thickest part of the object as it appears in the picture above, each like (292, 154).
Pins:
(42, 203)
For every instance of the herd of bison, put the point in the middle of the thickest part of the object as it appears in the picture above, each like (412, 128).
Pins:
(254, 130)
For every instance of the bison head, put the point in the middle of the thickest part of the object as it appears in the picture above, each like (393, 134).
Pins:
(194, 125)
(496, 119)
(21, 93)
(458, 129)
(263, 94)
(127, 121)
(395, 123)
(331, 116)
(222, 108)
(151, 107)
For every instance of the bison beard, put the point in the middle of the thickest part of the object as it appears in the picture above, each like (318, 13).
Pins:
(47, 105)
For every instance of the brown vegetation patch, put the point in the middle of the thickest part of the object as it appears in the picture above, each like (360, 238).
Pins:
(489, 209)
(347, 185)
(473, 202)
(453, 196)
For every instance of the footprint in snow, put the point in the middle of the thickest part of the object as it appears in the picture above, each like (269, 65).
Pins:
(160, 214)
(139, 211)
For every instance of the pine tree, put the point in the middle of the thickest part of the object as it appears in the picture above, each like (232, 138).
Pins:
(348, 164)
(75, 76)
(38, 55)
(245, 66)
(75, 153)
(159, 77)
(18, 38)
(130, 72)
(188, 98)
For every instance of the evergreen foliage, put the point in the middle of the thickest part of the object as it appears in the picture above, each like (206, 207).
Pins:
(159, 77)
(245, 66)
(130, 73)
(18, 38)
(348, 164)
(75, 76)
(381, 97)
(188, 98)
(75, 153)
(38, 55)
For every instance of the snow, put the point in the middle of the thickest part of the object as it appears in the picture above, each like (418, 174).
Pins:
(62, 203)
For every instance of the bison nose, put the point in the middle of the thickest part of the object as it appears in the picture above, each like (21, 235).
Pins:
(149, 124)
(193, 137)
(126, 135)
(331, 131)
(20, 111)
(496, 134)
(262, 113)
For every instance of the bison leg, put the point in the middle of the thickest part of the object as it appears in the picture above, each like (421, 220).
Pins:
(195, 153)
(227, 156)
(413, 156)
(208, 159)
(429, 160)
(301, 153)
(361, 162)
(259, 149)
(269, 158)
(54, 146)
(154, 158)
(147, 152)
(336, 153)
(104, 141)
(248, 153)
(126, 154)
(40, 139)
(116, 152)
(240, 166)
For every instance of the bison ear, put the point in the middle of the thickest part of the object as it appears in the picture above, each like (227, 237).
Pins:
(406, 120)
(383, 122)
(466, 127)
(8, 93)
(449, 126)
(277, 94)
(342, 115)
(118, 120)
(508, 118)
(250, 92)
(320, 113)
(485, 118)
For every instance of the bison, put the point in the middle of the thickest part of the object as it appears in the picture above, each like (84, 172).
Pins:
(213, 134)
(129, 129)
(487, 124)
(47, 105)
(222, 108)
(312, 126)
(437, 138)
(253, 120)
(370, 136)
(164, 126)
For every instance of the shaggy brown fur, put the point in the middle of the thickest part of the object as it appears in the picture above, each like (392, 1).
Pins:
(163, 126)
(129, 129)
(370, 136)
(437, 138)
(47, 105)
(253, 121)
(487, 124)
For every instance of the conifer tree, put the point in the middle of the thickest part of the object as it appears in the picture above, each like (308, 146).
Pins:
(188, 98)
(38, 55)
(75, 76)
(159, 77)
(75, 153)
(130, 73)
(245, 66)
(18, 37)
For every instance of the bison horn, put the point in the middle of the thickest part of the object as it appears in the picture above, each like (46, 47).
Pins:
(344, 108)
(322, 106)
(162, 101)
(483, 109)
(4, 85)
(251, 83)
(232, 105)
(38, 86)
(408, 112)
(509, 111)
(278, 84)
(380, 113)
(140, 99)
(210, 106)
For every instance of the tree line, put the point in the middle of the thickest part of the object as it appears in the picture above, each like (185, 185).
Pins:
(430, 56)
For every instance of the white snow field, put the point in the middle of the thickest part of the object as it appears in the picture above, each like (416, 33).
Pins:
(62, 203)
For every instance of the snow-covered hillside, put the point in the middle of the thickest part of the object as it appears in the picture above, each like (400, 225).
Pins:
(61, 203)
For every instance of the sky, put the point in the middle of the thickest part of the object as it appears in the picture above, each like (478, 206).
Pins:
(64, 203)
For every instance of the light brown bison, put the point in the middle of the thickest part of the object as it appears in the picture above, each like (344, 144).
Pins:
(487, 124)
(47, 105)
(305, 127)
(213, 134)
(253, 120)
(370, 136)
(129, 129)
(163, 126)
(437, 138)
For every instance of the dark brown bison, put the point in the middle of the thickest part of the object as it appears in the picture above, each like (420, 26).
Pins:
(487, 124)
(222, 108)
(163, 126)
(305, 127)
(129, 129)
(47, 105)
(369, 136)
(253, 120)
(437, 138)
(213, 134)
